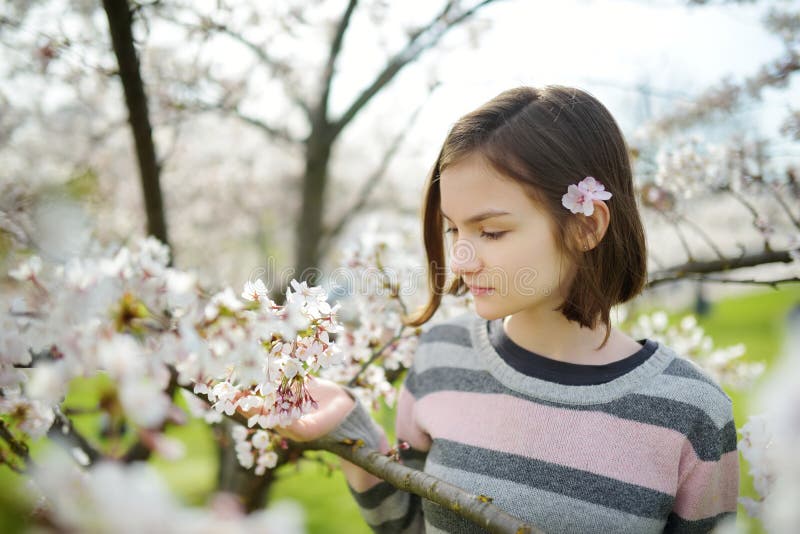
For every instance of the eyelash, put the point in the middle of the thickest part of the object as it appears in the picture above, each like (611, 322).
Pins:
(492, 236)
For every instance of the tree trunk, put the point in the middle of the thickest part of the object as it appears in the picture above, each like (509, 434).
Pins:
(120, 22)
(309, 223)
(233, 478)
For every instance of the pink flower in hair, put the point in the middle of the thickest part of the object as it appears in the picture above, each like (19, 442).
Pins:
(580, 198)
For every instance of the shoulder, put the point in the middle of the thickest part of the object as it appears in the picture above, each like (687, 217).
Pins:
(447, 344)
(692, 390)
(454, 331)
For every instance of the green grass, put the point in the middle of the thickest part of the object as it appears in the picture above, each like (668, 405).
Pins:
(756, 320)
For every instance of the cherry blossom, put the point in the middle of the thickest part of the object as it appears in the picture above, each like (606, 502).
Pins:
(580, 198)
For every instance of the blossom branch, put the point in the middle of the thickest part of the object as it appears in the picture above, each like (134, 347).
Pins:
(477, 508)
(374, 356)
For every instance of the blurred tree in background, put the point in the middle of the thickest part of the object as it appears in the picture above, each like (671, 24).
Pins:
(198, 79)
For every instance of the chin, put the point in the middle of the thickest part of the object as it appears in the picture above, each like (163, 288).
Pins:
(490, 313)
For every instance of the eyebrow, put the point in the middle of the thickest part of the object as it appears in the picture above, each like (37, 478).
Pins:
(488, 214)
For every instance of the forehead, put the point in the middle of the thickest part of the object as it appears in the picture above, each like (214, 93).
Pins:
(472, 185)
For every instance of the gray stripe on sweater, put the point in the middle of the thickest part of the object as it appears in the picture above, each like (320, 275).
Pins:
(440, 354)
(392, 508)
(676, 524)
(685, 368)
(374, 496)
(553, 478)
(537, 506)
(447, 333)
(694, 392)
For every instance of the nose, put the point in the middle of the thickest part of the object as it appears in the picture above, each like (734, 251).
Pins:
(464, 258)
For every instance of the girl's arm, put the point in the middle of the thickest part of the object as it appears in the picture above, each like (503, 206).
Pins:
(708, 487)
(384, 508)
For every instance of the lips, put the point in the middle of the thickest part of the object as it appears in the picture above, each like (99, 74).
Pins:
(478, 290)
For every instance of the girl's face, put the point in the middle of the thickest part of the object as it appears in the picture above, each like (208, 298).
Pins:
(502, 242)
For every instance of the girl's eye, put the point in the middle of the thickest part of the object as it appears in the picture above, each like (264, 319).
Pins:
(451, 231)
(492, 235)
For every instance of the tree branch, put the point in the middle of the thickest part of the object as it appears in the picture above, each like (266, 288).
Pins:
(476, 508)
(369, 184)
(795, 221)
(330, 66)
(727, 95)
(374, 356)
(279, 68)
(280, 134)
(64, 432)
(686, 270)
(17, 447)
(719, 280)
(120, 27)
(437, 28)
(678, 232)
(703, 235)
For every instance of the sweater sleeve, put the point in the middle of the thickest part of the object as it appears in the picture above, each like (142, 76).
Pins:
(708, 483)
(385, 508)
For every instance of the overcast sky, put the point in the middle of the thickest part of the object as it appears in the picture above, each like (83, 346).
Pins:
(608, 47)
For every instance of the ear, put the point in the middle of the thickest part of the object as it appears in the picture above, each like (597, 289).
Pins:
(595, 225)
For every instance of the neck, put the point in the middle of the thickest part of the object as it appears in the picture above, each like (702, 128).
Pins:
(553, 336)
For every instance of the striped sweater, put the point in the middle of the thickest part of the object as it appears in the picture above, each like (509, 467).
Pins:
(650, 451)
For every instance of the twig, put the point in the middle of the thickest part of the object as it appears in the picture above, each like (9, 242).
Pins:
(753, 211)
(678, 232)
(374, 356)
(785, 206)
(703, 235)
(63, 432)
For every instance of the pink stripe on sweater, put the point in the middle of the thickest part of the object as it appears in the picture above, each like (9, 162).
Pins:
(406, 427)
(707, 488)
(596, 442)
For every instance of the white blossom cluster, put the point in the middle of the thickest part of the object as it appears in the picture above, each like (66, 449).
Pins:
(689, 340)
(376, 341)
(258, 450)
(693, 167)
(130, 316)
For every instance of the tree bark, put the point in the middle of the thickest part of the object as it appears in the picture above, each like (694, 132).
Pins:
(309, 223)
(120, 22)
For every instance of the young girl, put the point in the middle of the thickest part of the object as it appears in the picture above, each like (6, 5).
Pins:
(538, 402)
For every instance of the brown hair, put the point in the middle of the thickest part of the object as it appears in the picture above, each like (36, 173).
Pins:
(546, 139)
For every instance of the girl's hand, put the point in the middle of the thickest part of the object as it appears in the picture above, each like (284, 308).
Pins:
(334, 405)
